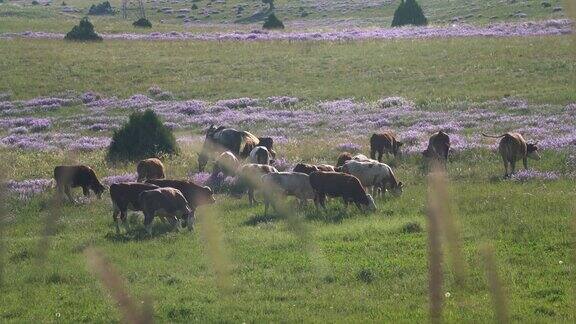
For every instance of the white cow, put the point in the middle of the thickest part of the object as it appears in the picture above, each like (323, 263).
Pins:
(374, 174)
(260, 155)
(288, 184)
(227, 163)
(249, 178)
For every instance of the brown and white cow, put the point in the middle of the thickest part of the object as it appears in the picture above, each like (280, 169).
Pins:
(375, 175)
(150, 169)
(167, 203)
(249, 177)
(196, 195)
(261, 155)
(438, 147)
(286, 184)
(513, 148)
(73, 176)
(126, 196)
(336, 184)
(382, 143)
(227, 163)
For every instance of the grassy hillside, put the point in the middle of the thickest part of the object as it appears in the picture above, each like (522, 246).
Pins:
(22, 15)
(540, 69)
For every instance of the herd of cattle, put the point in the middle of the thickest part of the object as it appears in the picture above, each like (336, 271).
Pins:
(349, 179)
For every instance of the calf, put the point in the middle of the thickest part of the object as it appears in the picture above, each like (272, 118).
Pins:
(227, 163)
(287, 183)
(125, 196)
(438, 147)
(512, 148)
(73, 176)
(249, 176)
(167, 202)
(195, 195)
(385, 142)
(150, 169)
(336, 184)
(260, 155)
(267, 142)
(374, 174)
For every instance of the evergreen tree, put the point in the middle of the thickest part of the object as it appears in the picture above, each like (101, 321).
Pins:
(409, 12)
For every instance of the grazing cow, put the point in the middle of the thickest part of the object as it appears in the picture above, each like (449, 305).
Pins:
(382, 143)
(512, 148)
(374, 174)
(224, 139)
(195, 195)
(73, 176)
(260, 155)
(150, 169)
(267, 142)
(342, 158)
(249, 177)
(227, 163)
(336, 184)
(125, 196)
(287, 183)
(438, 147)
(166, 202)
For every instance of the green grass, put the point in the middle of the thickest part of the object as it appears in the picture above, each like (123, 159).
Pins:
(540, 69)
(373, 270)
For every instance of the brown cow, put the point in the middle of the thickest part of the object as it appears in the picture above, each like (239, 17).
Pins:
(125, 196)
(438, 147)
(249, 177)
(73, 176)
(512, 148)
(336, 184)
(150, 169)
(325, 167)
(195, 195)
(382, 143)
(342, 158)
(167, 202)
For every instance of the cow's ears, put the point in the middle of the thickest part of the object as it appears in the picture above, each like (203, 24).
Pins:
(399, 144)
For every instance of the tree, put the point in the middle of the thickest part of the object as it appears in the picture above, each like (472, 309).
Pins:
(409, 12)
(142, 137)
(83, 32)
(272, 22)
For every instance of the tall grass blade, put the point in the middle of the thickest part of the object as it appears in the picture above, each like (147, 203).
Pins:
(435, 212)
(114, 283)
(499, 299)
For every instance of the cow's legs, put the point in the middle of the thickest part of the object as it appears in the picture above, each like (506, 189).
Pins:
(513, 167)
(505, 167)
(190, 220)
(148, 218)
(525, 161)
(85, 191)
(115, 219)
(69, 194)
(380, 153)
(124, 218)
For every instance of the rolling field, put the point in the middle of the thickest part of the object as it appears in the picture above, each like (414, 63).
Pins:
(60, 103)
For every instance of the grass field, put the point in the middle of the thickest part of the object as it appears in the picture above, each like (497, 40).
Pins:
(23, 16)
(540, 69)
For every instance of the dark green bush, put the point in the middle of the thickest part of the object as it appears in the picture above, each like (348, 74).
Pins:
(101, 9)
(409, 12)
(83, 32)
(142, 22)
(272, 22)
(142, 137)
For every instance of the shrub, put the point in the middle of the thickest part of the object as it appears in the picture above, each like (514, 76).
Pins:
(272, 22)
(100, 9)
(143, 136)
(409, 12)
(142, 22)
(35, 3)
(83, 32)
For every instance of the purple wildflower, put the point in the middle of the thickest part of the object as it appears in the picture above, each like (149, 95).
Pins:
(349, 147)
(526, 175)
(27, 188)
(120, 178)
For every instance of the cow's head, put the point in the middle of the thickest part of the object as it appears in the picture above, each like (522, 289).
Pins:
(398, 189)
(397, 146)
(98, 189)
(371, 206)
(205, 196)
(532, 151)
(202, 161)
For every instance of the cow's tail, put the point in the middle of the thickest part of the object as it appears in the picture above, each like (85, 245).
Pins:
(493, 136)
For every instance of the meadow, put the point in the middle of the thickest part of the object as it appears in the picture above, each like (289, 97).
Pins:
(507, 244)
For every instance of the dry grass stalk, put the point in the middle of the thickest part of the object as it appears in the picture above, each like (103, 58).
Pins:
(3, 220)
(495, 285)
(435, 211)
(213, 238)
(114, 283)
